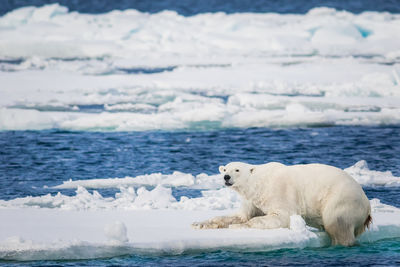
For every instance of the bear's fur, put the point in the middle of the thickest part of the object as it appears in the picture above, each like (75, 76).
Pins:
(326, 197)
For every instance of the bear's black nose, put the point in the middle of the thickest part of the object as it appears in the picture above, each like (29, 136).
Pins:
(227, 177)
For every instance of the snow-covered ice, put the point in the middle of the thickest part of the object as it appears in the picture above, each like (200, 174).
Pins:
(48, 234)
(153, 191)
(50, 32)
(359, 171)
(200, 181)
(127, 70)
(116, 233)
(365, 176)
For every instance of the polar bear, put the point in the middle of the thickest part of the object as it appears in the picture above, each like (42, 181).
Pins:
(325, 196)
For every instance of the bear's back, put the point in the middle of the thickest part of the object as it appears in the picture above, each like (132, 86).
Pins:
(321, 174)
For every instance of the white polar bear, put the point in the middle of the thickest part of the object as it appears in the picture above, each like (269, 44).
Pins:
(326, 197)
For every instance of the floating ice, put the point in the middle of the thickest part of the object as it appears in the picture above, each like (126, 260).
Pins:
(358, 171)
(129, 199)
(45, 234)
(365, 176)
(176, 179)
(50, 31)
(158, 198)
(133, 194)
(128, 71)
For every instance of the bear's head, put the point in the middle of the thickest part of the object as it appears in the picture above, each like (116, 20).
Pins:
(236, 173)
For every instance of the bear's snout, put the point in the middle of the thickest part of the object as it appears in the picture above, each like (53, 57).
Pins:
(227, 178)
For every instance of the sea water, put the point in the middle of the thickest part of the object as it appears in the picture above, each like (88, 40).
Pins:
(115, 117)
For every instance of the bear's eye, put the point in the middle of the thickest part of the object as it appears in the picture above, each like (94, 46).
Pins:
(237, 170)
(224, 170)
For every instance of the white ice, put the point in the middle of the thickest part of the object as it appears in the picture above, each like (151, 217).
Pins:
(53, 32)
(48, 234)
(365, 176)
(200, 181)
(359, 171)
(153, 191)
(116, 233)
(325, 67)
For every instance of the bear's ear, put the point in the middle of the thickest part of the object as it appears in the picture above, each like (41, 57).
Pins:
(251, 170)
(221, 169)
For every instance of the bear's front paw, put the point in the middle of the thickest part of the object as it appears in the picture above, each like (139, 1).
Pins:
(197, 225)
(205, 225)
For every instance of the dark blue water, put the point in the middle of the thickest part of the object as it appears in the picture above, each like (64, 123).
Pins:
(381, 253)
(192, 7)
(30, 160)
(366, 255)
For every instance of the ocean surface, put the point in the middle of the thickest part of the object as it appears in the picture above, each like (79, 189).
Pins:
(384, 253)
(115, 116)
(191, 7)
(34, 159)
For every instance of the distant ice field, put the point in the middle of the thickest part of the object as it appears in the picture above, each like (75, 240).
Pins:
(133, 71)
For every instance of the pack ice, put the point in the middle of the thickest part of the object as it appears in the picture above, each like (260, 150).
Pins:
(128, 70)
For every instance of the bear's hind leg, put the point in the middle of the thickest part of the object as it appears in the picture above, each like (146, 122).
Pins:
(341, 232)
